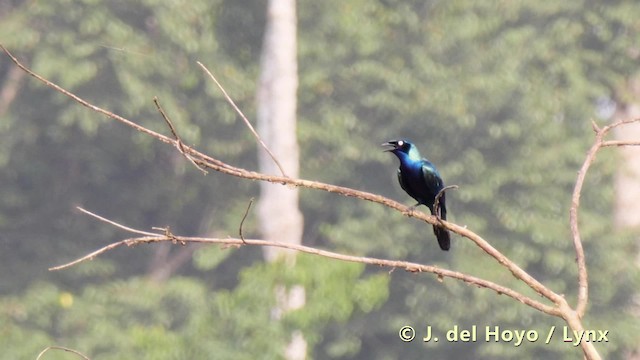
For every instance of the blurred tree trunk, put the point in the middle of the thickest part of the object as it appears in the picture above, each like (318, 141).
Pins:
(627, 177)
(279, 216)
(627, 205)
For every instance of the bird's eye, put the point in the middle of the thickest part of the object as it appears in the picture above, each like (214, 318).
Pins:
(400, 143)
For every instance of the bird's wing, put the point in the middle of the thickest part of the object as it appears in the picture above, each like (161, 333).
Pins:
(434, 184)
(403, 185)
(431, 177)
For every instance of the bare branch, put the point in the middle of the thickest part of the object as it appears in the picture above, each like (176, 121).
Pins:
(436, 203)
(167, 236)
(125, 228)
(620, 143)
(244, 118)
(102, 250)
(61, 348)
(113, 116)
(583, 279)
(574, 321)
(84, 102)
(246, 212)
(179, 142)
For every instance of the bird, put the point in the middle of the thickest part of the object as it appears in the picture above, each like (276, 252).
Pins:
(419, 178)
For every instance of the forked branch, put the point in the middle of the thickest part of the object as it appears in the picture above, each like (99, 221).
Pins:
(583, 281)
(165, 235)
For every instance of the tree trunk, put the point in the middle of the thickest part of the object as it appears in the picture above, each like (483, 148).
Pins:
(627, 198)
(280, 218)
(278, 213)
(627, 177)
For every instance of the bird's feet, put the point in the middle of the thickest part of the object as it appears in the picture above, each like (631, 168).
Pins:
(411, 209)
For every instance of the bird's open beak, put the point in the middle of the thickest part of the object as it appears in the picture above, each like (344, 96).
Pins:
(390, 145)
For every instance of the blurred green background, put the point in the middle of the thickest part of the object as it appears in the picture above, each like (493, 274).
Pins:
(498, 94)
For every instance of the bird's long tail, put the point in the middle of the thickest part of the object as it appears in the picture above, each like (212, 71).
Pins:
(444, 240)
(442, 234)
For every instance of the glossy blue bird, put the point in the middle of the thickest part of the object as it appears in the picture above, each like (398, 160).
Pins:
(421, 180)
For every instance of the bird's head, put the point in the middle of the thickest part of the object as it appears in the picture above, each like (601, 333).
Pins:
(402, 148)
(398, 146)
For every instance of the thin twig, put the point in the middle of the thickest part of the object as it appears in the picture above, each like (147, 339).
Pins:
(115, 223)
(583, 281)
(166, 231)
(244, 118)
(436, 203)
(246, 212)
(103, 250)
(61, 348)
(116, 117)
(180, 144)
(84, 102)
(620, 143)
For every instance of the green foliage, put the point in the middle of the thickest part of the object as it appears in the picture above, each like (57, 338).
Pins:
(133, 319)
(182, 319)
